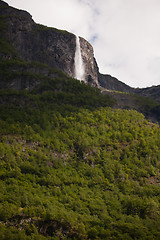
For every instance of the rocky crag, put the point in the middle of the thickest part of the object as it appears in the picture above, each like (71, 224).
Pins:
(111, 83)
(50, 46)
(45, 51)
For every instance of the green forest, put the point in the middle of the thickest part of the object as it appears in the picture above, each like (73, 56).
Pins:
(73, 167)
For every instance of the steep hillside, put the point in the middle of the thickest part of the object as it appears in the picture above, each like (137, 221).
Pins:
(73, 168)
(152, 92)
(23, 39)
(29, 52)
(73, 165)
(111, 83)
(146, 105)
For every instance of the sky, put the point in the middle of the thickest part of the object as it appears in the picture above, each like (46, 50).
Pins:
(125, 34)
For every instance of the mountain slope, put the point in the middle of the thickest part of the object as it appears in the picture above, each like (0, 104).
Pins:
(108, 82)
(148, 106)
(152, 92)
(69, 171)
(72, 165)
(29, 52)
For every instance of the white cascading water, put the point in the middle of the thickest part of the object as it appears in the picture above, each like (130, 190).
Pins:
(79, 66)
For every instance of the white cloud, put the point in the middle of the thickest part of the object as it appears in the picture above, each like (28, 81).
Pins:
(124, 33)
(129, 36)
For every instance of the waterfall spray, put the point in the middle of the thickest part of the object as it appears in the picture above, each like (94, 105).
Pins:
(79, 66)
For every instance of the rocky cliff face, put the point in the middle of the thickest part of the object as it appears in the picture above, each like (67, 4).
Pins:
(91, 68)
(111, 83)
(21, 38)
(50, 46)
(35, 42)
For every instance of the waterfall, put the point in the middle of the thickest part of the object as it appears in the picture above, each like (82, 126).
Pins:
(79, 66)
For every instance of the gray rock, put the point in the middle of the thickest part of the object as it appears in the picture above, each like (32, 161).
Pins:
(50, 46)
(54, 48)
(111, 83)
(91, 68)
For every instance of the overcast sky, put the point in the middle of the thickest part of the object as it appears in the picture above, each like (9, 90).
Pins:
(125, 34)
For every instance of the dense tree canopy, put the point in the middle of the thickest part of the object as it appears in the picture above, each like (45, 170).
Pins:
(71, 167)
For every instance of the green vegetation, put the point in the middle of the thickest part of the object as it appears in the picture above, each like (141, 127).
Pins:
(41, 28)
(145, 105)
(71, 167)
(14, 69)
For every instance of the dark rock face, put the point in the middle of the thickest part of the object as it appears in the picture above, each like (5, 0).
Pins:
(22, 75)
(111, 83)
(50, 46)
(91, 68)
(35, 42)
(54, 48)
